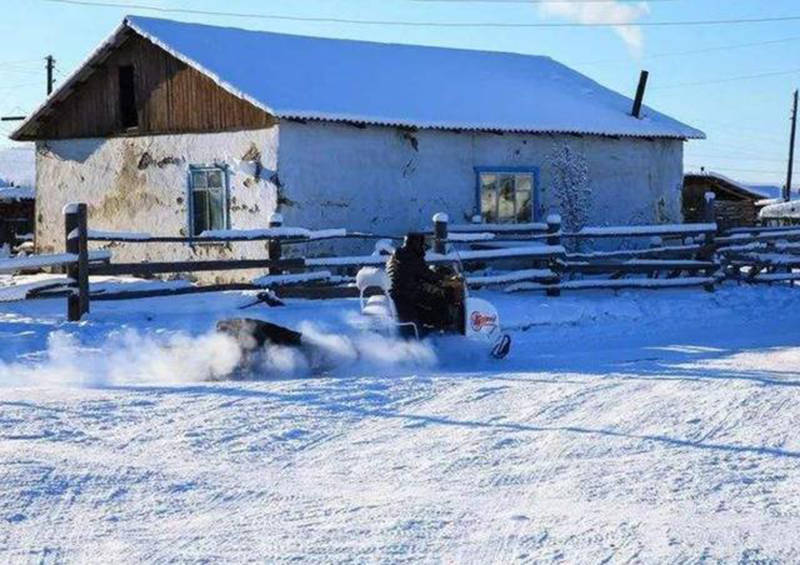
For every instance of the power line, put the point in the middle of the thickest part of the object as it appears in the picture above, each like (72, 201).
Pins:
(739, 157)
(695, 51)
(738, 170)
(423, 23)
(12, 86)
(534, 1)
(22, 71)
(729, 79)
(766, 136)
(742, 150)
(20, 61)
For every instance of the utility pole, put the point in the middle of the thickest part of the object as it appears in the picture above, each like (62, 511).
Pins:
(51, 64)
(787, 191)
(50, 67)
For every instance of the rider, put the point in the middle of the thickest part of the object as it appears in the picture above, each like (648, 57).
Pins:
(418, 293)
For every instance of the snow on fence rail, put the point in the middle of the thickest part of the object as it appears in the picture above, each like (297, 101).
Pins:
(534, 251)
(221, 236)
(17, 264)
(498, 228)
(661, 230)
(616, 284)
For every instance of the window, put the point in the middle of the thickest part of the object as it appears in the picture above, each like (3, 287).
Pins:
(127, 98)
(506, 196)
(208, 205)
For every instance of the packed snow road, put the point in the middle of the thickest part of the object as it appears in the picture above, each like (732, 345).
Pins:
(634, 428)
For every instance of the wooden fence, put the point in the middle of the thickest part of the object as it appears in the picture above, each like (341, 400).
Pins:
(513, 257)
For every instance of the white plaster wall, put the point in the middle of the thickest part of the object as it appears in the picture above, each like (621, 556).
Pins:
(375, 179)
(126, 192)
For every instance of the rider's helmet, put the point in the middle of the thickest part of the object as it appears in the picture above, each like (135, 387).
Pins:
(415, 241)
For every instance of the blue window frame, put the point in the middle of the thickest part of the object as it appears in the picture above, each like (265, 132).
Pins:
(208, 199)
(507, 195)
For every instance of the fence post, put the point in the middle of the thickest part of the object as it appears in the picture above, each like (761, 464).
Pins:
(708, 207)
(440, 221)
(76, 242)
(554, 238)
(274, 245)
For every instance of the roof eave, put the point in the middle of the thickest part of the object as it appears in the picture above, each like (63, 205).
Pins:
(359, 120)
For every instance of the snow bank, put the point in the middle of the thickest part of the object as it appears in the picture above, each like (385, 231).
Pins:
(126, 357)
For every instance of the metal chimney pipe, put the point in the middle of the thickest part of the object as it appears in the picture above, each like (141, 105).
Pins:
(637, 102)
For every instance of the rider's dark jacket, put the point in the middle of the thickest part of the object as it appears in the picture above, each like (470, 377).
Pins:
(411, 280)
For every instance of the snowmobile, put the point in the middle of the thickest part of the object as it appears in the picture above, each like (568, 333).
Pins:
(474, 318)
(469, 316)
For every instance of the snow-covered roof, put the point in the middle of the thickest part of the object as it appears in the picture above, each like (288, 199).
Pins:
(8, 193)
(789, 209)
(753, 191)
(292, 76)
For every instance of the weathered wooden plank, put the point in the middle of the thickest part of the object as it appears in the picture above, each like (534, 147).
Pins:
(171, 97)
(619, 284)
(638, 267)
(154, 268)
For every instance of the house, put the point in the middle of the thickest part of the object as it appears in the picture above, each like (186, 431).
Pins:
(176, 128)
(736, 204)
(16, 196)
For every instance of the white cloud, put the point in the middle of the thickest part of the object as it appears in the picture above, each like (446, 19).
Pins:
(603, 12)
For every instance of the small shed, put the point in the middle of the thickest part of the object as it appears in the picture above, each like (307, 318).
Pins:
(737, 204)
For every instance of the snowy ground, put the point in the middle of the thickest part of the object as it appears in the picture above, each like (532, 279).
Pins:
(647, 426)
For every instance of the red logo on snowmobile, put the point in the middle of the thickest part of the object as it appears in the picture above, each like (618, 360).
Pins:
(479, 320)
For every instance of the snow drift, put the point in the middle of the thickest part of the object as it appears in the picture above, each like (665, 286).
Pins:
(132, 357)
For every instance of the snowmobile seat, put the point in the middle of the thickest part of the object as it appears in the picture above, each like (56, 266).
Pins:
(380, 306)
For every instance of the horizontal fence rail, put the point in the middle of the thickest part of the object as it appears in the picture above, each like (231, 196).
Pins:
(511, 257)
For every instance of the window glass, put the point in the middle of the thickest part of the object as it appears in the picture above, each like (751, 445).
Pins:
(200, 208)
(506, 197)
(524, 192)
(216, 209)
(489, 198)
(199, 180)
(524, 206)
(214, 179)
(209, 203)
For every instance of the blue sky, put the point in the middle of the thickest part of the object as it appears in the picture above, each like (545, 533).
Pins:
(746, 120)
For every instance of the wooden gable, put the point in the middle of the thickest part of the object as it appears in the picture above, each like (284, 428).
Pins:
(170, 97)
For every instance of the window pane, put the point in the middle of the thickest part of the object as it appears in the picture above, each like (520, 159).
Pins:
(524, 182)
(489, 198)
(505, 204)
(215, 179)
(216, 209)
(199, 179)
(524, 206)
(524, 190)
(200, 209)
